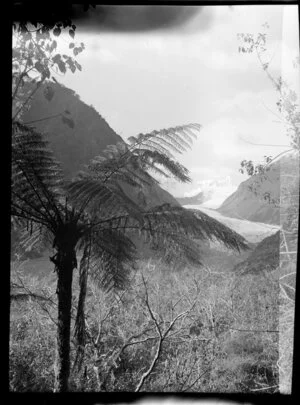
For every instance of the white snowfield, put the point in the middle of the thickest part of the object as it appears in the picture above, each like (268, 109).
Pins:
(253, 232)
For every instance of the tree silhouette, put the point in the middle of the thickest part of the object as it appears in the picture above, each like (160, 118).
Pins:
(91, 216)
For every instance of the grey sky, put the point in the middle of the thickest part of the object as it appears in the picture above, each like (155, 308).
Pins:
(193, 72)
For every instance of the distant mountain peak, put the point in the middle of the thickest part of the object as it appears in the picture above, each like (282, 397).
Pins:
(209, 192)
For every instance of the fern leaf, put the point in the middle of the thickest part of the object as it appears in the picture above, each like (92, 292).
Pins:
(169, 221)
(175, 135)
(112, 258)
(36, 176)
(102, 199)
(174, 232)
(150, 160)
(37, 239)
(120, 165)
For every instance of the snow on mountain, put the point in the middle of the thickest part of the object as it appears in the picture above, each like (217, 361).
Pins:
(214, 191)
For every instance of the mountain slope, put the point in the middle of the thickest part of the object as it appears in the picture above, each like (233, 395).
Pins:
(277, 182)
(244, 203)
(264, 257)
(74, 147)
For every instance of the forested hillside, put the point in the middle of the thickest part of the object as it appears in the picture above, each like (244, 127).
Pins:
(248, 201)
(265, 256)
(88, 135)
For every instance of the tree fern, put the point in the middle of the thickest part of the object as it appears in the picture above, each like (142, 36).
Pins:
(36, 177)
(166, 226)
(92, 215)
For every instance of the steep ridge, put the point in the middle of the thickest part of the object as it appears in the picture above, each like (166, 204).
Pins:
(91, 134)
(265, 256)
(279, 180)
(245, 203)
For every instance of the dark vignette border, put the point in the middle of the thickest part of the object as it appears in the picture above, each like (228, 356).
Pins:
(50, 12)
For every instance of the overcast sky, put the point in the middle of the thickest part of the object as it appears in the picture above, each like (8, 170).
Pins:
(192, 72)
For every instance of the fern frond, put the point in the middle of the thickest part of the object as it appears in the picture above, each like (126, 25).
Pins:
(154, 149)
(152, 159)
(175, 249)
(188, 133)
(156, 170)
(35, 237)
(112, 258)
(177, 136)
(101, 199)
(155, 146)
(168, 146)
(118, 164)
(129, 163)
(218, 231)
(176, 229)
(36, 176)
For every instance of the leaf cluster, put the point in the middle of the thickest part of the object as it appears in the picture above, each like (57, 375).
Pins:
(36, 59)
(55, 14)
(287, 105)
(252, 169)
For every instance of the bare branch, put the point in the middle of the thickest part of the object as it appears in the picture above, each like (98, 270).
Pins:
(265, 388)
(162, 336)
(197, 379)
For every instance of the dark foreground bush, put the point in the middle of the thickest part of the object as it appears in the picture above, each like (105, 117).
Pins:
(208, 348)
(31, 357)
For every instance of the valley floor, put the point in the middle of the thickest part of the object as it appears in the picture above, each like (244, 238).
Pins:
(253, 232)
(191, 330)
(201, 329)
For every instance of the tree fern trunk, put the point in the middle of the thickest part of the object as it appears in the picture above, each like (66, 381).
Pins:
(64, 261)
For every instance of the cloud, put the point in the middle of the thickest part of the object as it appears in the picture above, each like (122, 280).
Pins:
(222, 134)
(95, 49)
(158, 78)
(102, 54)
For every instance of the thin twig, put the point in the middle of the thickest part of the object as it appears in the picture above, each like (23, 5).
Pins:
(254, 330)
(189, 387)
(264, 388)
